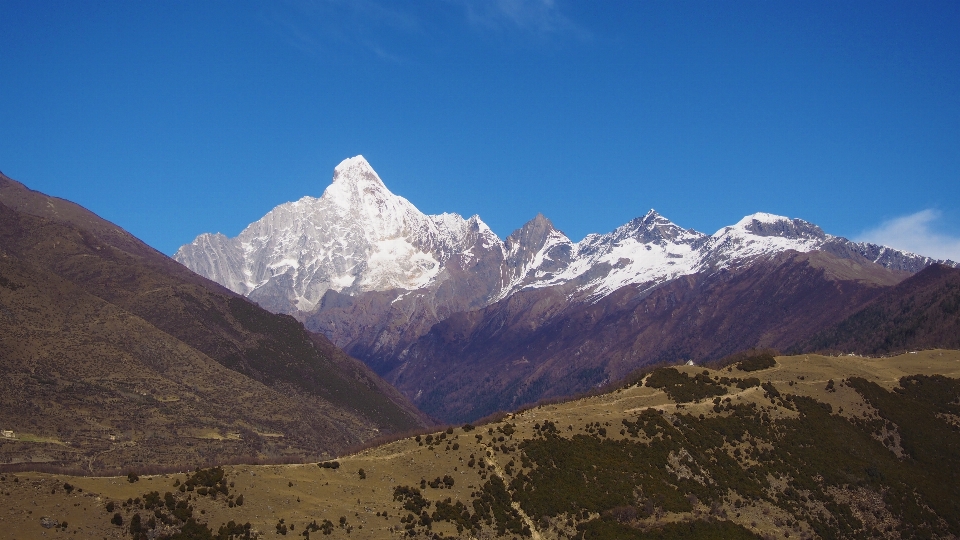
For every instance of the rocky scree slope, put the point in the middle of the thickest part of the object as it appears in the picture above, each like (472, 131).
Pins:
(114, 354)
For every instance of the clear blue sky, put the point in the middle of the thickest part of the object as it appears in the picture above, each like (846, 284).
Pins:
(177, 118)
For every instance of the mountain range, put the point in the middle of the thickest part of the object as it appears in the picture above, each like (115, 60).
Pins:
(358, 237)
(465, 323)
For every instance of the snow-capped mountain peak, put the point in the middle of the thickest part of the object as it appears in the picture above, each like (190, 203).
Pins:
(653, 227)
(760, 217)
(763, 224)
(358, 163)
(358, 192)
(355, 183)
(756, 235)
(646, 249)
(357, 237)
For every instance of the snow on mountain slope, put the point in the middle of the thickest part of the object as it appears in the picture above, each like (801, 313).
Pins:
(359, 237)
(647, 249)
(652, 250)
(763, 234)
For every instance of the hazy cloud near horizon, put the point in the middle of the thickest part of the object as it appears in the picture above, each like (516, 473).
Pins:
(916, 233)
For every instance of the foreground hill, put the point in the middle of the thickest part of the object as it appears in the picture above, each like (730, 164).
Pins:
(113, 355)
(797, 447)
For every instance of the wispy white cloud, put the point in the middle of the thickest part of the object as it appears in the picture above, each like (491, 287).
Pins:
(917, 233)
(321, 26)
(540, 17)
(396, 31)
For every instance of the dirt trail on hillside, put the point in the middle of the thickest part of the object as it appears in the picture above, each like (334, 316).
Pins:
(534, 533)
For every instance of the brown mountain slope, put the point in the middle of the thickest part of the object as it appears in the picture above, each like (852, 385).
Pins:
(105, 337)
(535, 345)
(922, 312)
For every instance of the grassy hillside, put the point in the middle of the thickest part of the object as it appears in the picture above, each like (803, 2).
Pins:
(812, 446)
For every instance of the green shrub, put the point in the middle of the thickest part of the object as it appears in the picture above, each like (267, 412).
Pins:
(603, 529)
(411, 498)
(457, 513)
(135, 525)
(757, 362)
(192, 530)
(682, 388)
(493, 505)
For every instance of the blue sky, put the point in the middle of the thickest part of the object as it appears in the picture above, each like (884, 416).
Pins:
(177, 118)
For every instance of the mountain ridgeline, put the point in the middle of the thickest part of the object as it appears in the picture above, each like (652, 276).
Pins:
(113, 355)
(465, 323)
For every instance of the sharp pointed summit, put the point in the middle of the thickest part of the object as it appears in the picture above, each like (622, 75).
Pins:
(356, 186)
(533, 233)
(356, 172)
(355, 162)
